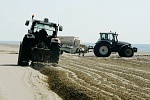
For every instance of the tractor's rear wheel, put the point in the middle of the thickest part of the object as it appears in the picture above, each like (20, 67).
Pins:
(25, 52)
(55, 53)
(19, 55)
(102, 50)
(21, 62)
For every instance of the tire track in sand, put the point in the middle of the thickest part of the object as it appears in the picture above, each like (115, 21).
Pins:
(37, 84)
(112, 79)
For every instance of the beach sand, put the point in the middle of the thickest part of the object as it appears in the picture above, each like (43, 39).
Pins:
(92, 78)
(75, 78)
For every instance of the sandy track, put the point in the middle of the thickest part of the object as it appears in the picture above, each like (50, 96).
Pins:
(21, 83)
(18, 83)
(111, 78)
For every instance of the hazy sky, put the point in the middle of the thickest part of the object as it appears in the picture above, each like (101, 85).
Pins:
(81, 18)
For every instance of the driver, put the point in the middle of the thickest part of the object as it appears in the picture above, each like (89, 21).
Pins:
(43, 33)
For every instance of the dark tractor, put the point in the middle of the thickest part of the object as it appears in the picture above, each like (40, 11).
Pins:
(40, 44)
(108, 43)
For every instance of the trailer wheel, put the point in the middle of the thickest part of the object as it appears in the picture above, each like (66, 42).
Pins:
(102, 50)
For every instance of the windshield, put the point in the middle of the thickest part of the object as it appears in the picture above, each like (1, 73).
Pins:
(47, 27)
(108, 36)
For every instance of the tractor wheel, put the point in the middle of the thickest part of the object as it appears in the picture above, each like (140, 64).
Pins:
(25, 52)
(102, 50)
(126, 52)
(19, 55)
(55, 52)
(21, 62)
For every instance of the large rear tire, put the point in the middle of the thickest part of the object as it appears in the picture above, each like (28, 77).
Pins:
(21, 62)
(19, 55)
(102, 50)
(55, 53)
(25, 52)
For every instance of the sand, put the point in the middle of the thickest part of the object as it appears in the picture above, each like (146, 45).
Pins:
(21, 83)
(92, 78)
(75, 78)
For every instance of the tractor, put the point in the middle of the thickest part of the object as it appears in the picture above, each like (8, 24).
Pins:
(40, 44)
(109, 43)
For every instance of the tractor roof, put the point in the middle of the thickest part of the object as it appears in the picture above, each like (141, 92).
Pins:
(43, 22)
(108, 33)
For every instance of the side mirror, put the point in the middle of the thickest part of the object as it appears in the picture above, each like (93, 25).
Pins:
(60, 28)
(27, 23)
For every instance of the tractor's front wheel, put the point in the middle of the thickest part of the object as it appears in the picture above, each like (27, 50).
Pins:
(126, 52)
(102, 50)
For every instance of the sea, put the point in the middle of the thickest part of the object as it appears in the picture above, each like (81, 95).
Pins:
(141, 47)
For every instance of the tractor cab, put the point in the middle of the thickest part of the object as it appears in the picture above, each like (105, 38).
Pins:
(111, 37)
(49, 27)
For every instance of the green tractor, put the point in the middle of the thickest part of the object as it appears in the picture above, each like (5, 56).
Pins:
(108, 43)
(40, 44)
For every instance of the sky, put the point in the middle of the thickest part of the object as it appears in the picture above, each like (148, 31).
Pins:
(81, 18)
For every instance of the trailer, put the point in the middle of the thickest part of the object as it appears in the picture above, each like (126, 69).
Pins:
(71, 44)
